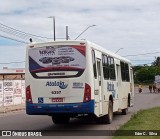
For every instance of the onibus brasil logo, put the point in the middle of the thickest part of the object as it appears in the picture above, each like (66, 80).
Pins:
(61, 84)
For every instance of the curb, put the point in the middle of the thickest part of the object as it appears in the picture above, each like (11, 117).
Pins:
(13, 108)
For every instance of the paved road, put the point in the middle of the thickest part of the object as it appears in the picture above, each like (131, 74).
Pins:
(21, 121)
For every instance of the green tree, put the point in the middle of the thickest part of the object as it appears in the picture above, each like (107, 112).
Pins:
(146, 74)
(156, 62)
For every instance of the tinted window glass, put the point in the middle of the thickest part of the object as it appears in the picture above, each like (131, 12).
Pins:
(125, 71)
(108, 67)
(94, 64)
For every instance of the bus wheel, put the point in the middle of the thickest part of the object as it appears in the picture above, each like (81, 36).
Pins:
(129, 101)
(60, 119)
(109, 117)
(99, 120)
(125, 111)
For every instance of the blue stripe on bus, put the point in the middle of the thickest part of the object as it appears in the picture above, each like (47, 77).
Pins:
(48, 109)
(33, 65)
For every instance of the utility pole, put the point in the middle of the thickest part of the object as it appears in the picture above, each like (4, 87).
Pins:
(67, 37)
(54, 34)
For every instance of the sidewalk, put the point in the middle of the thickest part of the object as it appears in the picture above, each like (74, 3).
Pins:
(5, 109)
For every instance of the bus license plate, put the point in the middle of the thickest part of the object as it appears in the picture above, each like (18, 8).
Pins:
(57, 99)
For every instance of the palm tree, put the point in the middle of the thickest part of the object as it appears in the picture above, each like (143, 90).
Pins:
(156, 62)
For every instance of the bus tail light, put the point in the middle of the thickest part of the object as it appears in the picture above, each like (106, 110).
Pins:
(87, 93)
(28, 95)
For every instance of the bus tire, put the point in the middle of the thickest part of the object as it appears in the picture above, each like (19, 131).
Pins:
(99, 120)
(129, 101)
(109, 117)
(60, 119)
(124, 111)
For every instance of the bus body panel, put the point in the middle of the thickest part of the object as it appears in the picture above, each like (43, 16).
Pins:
(98, 88)
(69, 108)
(53, 69)
(59, 89)
(53, 93)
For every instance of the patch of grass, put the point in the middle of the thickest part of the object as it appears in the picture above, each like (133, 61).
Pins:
(143, 120)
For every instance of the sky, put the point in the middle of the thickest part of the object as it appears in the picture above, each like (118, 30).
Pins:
(130, 26)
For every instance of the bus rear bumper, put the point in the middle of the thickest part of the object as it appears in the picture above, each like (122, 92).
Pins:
(49, 109)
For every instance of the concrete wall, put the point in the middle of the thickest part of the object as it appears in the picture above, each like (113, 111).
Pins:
(12, 92)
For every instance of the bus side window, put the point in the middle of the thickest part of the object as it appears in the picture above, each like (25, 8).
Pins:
(94, 64)
(112, 69)
(105, 67)
(99, 71)
(125, 72)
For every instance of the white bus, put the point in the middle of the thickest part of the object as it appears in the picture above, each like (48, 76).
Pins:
(66, 79)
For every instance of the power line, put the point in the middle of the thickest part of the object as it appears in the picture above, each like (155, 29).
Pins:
(141, 54)
(25, 32)
(142, 60)
(144, 63)
(18, 34)
(13, 33)
(13, 39)
(13, 62)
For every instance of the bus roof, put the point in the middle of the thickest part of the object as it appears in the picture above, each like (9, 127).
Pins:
(95, 46)
(109, 52)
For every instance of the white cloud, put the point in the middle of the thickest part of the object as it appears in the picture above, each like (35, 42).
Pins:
(131, 24)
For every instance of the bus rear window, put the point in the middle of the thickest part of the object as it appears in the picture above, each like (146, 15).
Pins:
(57, 61)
